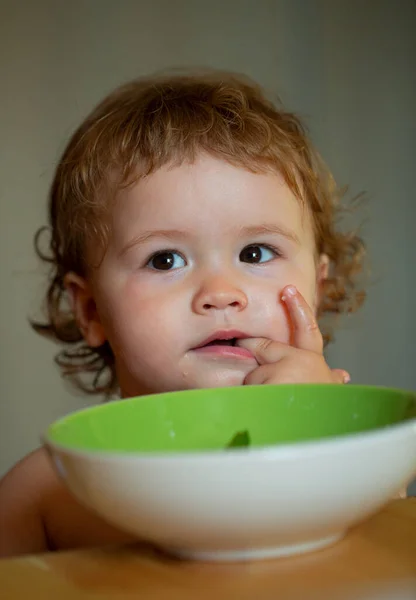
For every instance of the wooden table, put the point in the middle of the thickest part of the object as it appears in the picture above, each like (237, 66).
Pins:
(376, 561)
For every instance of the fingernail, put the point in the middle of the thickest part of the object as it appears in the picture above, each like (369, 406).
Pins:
(290, 290)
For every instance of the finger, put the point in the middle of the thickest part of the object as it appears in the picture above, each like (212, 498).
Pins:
(306, 333)
(258, 376)
(265, 351)
(340, 376)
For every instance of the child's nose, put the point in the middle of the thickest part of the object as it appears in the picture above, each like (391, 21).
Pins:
(219, 294)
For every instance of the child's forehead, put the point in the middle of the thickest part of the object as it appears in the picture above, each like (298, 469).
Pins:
(210, 174)
(205, 177)
(208, 192)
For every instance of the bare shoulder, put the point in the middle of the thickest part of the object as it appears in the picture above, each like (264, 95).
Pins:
(29, 473)
(38, 513)
(21, 493)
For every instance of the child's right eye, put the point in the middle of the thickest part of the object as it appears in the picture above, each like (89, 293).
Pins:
(166, 261)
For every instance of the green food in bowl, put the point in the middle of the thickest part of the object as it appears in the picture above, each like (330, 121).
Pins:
(240, 440)
(201, 420)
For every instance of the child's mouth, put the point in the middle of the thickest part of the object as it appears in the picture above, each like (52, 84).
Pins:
(225, 345)
(231, 342)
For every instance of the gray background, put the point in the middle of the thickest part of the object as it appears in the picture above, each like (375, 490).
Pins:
(347, 66)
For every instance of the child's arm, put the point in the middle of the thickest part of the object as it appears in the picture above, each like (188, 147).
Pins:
(38, 514)
(21, 525)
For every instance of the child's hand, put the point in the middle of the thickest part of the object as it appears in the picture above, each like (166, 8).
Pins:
(301, 363)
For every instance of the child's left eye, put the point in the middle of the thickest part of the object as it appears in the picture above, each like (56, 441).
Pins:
(258, 253)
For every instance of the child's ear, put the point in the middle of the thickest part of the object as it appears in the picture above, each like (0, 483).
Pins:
(85, 310)
(322, 272)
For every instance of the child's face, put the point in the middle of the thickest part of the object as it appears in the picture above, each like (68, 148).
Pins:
(197, 250)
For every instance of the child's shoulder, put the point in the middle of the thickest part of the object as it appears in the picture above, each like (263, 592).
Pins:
(37, 513)
(31, 471)
(22, 492)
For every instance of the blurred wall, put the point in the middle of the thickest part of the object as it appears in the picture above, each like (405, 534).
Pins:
(347, 66)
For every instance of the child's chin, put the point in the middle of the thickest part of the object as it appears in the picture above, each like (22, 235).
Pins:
(226, 379)
(191, 380)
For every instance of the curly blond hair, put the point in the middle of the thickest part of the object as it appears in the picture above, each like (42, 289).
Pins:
(168, 119)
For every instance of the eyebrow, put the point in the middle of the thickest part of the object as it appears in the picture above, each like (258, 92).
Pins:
(169, 234)
(178, 234)
(267, 229)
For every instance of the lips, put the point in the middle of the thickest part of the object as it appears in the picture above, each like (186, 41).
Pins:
(223, 343)
(223, 338)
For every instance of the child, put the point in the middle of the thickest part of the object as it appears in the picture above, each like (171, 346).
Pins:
(193, 237)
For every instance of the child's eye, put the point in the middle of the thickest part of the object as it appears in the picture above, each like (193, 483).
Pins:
(166, 261)
(258, 253)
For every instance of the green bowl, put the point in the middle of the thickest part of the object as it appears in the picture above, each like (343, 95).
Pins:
(201, 420)
(320, 459)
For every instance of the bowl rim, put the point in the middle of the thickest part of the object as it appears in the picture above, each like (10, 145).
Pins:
(270, 452)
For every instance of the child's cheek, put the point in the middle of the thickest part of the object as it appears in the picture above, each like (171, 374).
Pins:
(271, 316)
(268, 317)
